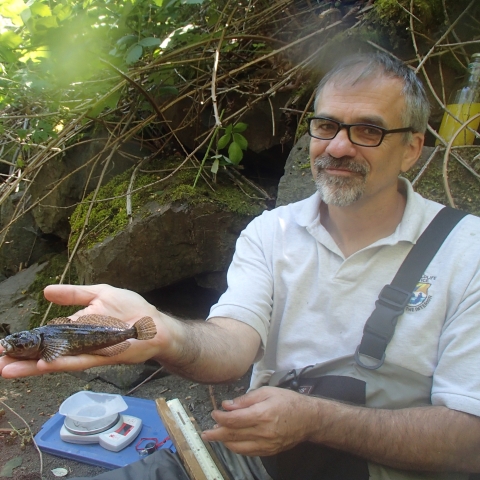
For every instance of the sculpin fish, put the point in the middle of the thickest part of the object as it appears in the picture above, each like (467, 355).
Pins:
(94, 334)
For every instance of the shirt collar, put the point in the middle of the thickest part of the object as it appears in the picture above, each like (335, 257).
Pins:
(417, 215)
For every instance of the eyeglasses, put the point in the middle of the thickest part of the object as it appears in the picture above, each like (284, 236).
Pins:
(360, 134)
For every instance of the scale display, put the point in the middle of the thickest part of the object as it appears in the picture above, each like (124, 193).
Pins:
(49, 441)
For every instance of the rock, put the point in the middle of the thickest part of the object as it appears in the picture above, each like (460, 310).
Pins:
(123, 376)
(23, 243)
(164, 245)
(62, 182)
(16, 305)
(297, 182)
(259, 120)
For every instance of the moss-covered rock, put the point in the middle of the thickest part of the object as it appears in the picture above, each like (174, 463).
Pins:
(156, 183)
(176, 231)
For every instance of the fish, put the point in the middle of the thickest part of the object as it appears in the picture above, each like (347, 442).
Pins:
(94, 334)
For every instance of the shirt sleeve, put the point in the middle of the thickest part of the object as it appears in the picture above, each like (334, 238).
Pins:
(249, 295)
(456, 380)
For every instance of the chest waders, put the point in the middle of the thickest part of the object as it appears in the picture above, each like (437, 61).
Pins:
(365, 378)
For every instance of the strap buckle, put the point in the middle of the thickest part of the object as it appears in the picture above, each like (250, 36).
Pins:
(380, 326)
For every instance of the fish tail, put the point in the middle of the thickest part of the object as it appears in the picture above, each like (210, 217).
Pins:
(145, 328)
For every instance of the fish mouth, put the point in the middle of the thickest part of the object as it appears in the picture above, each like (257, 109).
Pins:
(6, 346)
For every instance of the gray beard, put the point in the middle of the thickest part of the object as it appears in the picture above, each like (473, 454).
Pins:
(336, 190)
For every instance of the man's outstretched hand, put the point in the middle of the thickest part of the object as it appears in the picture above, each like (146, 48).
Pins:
(102, 300)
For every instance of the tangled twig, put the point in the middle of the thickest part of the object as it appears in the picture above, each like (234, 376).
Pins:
(29, 430)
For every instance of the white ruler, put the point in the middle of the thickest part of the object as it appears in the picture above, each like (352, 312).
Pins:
(194, 441)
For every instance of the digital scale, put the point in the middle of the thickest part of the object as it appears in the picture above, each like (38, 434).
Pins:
(109, 438)
(95, 418)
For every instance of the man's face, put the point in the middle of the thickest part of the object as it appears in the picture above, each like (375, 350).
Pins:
(346, 173)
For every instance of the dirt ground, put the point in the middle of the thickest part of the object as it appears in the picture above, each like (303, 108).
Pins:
(36, 399)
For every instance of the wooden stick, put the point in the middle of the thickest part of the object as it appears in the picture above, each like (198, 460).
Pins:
(191, 464)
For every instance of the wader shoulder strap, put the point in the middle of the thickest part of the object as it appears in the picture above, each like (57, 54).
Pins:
(393, 298)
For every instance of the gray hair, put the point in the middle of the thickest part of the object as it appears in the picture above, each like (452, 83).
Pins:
(365, 66)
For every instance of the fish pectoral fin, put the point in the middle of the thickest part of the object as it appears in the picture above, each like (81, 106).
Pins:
(112, 350)
(54, 349)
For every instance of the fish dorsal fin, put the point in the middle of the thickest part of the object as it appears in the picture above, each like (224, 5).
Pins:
(112, 351)
(146, 328)
(54, 349)
(59, 321)
(102, 321)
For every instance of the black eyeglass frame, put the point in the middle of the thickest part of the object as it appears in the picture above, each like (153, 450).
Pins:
(347, 126)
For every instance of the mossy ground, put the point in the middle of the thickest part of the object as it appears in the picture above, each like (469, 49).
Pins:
(152, 184)
(51, 275)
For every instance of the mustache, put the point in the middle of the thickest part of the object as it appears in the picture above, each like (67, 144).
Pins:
(327, 161)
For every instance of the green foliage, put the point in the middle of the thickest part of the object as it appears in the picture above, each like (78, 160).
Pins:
(54, 50)
(236, 143)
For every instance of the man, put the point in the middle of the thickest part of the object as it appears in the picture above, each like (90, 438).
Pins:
(302, 283)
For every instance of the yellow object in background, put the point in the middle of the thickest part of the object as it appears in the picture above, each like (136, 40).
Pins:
(449, 125)
(464, 103)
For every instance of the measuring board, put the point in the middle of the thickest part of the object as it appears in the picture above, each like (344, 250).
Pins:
(197, 457)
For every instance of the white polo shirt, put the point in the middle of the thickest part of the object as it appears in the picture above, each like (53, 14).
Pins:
(288, 270)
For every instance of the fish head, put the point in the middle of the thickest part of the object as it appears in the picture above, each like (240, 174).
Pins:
(24, 344)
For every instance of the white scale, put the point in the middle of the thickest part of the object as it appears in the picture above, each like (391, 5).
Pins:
(95, 418)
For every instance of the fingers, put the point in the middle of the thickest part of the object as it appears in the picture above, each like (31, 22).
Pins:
(247, 400)
(235, 419)
(224, 434)
(244, 441)
(13, 368)
(73, 294)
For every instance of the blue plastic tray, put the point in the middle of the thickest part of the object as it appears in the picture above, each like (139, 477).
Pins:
(49, 441)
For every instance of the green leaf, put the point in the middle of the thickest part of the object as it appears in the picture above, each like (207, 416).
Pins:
(7, 56)
(12, 8)
(235, 153)
(241, 140)
(7, 470)
(110, 101)
(192, 2)
(229, 129)
(42, 131)
(127, 39)
(133, 54)
(158, 3)
(215, 165)
(22, 133)
(62, 11)
(46, 23)
(167, 91)
(223, 141)
(240, 127)
(150, 42)
(10, 39)
(40, 9)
